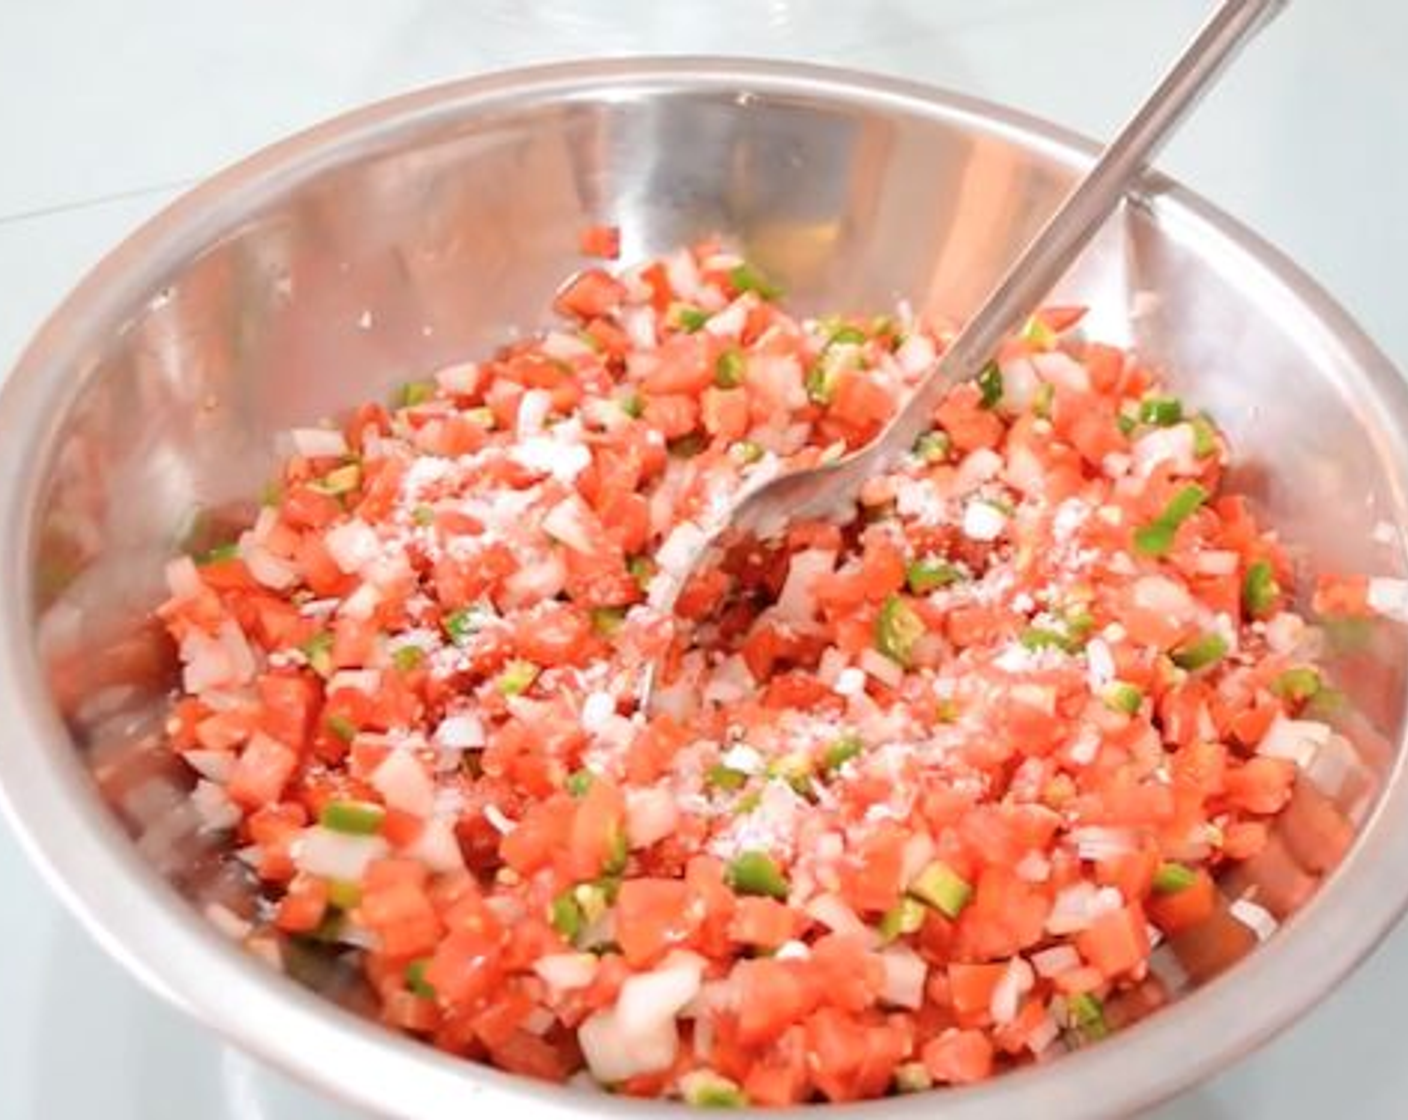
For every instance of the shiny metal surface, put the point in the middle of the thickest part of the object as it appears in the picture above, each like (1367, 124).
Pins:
(1019, 288)
(330, 267)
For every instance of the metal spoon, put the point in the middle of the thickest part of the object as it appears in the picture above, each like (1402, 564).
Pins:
(768, 505)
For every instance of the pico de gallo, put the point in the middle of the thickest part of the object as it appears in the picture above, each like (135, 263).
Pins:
(924, 785)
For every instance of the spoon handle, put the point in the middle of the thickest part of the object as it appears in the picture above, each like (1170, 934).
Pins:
(1076, 221)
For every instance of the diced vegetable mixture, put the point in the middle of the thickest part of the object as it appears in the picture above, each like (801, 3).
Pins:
(925, 784)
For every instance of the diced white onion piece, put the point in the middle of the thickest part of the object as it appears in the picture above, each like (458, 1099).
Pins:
(1174, 445)
(1163, 595)
(1100, 664)
(1296, 739)
(793, 951)
(319, 443)
(916, 354)
(982, 465)
(1019, 385)
(366, 681)
(797, 601)
(549, 454)
(597, 708)
(832, 912)
(880, 667)
(496, 818)
(362, 602)
(270, 570)
(1389, 597)
(352, 545)
(461, 378)
(1056, 960)
(567, 523)
(1007, 995)
(533, 409)
(983, 521)
(404, 784)
(336, 855)
(850, 681)
(648, 998)
(614, 1054)
(462, 731)
(215, 765)
(1285, 631)
(183, 578)
(651, 815)
(564, 972)
(437, 847)
(1097, 842)
(1256, 918)
(918, 853)
(1061, 370)
(213, 805)
(224, 661)
(536, 581)
(639, 324)
(1217, 562)
(905, 973)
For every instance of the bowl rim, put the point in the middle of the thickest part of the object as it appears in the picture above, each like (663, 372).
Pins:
(48, 798)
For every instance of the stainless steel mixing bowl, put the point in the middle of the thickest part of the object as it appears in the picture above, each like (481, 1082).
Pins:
(389, 241)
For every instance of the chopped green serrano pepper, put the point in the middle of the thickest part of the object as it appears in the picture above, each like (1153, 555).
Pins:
(930, 573)
(904, 917)
(341, 727)
(746, 452)
(939, 886)
(565, 915)
(354, 818)
(1156, 538)
(318, 650)
(642, 570)
(755, 872)
(617, 853)
(579, 781)
(1298, 684)
(341, 480)
(607, 621)
(897, 629)
(1123, 697)
(413, 393)
(1086, 1015)
(688, 318)
(1162, 412)
(460, 625)
(703, 1088)
(344, 895)
(416, 982)
(1043, 637)
(407, 659)
(725, 778)
(218, 554)
(1204, 437)
(1170, 878)
(841, 752)
(729, 369)
(518, 676)
(746, 278)
(1200, 653)
(1260, 589)
(990, 385)
(933, 447)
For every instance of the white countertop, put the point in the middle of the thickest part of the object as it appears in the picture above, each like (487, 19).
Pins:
(107, 111)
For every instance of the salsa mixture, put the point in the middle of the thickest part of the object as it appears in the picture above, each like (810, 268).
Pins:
(923, 787)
